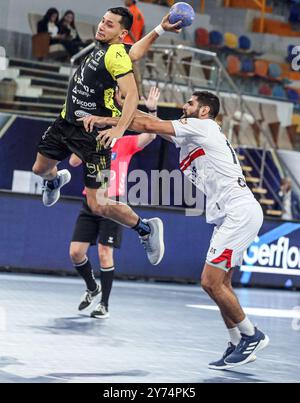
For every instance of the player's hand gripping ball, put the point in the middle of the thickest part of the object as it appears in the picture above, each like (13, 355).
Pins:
(182, 12)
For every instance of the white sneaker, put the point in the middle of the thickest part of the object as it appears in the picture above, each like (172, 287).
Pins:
(154, 243)
(100, 312)
(88, 297)
(51, 196)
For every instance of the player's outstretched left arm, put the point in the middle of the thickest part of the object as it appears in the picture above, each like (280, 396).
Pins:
(140, 124)
(140, 48)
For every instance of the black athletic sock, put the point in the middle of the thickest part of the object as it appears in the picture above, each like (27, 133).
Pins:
(85, 270)
(142, 228)
(53, 184)
(107, 276)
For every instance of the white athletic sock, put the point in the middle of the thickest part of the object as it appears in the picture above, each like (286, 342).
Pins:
(235, 335)
(246, 327)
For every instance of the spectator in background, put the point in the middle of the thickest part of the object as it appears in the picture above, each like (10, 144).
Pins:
(138, 26)
(290, 200)
(134, 35)
(67, 29)
(60, 32)
(49, 23)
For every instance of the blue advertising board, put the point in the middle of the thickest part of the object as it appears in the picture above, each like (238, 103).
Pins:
(33, 237)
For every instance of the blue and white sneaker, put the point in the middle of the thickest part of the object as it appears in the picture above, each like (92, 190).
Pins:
(154, 243)
(221, 364)
(51, 196)
(247, 347)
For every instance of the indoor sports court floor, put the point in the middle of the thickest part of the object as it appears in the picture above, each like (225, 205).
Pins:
(156, 333)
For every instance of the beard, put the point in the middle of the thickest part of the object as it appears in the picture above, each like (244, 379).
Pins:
(191, 115)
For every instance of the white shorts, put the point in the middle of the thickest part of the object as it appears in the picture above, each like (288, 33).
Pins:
(234, 235)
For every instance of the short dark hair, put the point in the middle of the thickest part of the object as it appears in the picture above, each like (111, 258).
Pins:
(206, 98)
(127, 17)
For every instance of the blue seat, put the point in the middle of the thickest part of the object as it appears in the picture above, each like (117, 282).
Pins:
(216, 38)
(278, 91)
(275, 70)
(293, 95)
(247, 66)
(244, 42)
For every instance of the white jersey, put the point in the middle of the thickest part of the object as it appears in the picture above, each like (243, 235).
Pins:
(211, 164)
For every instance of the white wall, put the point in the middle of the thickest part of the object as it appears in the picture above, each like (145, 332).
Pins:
(291, 160)
(14, 12)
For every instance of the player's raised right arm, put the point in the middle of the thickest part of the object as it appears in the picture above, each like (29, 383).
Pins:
(140, 48)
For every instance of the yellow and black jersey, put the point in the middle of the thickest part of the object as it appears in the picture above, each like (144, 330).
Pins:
(92, 88)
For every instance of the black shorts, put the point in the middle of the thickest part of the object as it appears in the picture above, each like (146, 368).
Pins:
(62, 139)
(90, 228)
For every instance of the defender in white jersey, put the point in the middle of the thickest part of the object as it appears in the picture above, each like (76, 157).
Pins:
(209, 161)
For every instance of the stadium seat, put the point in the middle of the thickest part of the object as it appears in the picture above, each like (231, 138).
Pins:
(293, 95)
(274, 71)
(261, 68)
(278, 91)
(231, 40)
(216, 39)
(265, 90)
(247, 66)
(201, 37)
(233, 65)
(244, 43)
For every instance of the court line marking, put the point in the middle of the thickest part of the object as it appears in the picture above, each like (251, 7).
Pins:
(264, 312)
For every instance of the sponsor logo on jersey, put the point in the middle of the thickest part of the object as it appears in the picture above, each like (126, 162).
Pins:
(81, 114)
(98, 56)
(113, 155)
(92, 67)
(84, 104)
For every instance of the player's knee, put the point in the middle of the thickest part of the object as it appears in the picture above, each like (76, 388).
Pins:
(37, 169)
(76, 255)
(206, 284)
(209, 285)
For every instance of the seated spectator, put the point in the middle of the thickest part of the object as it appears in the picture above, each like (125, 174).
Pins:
(67, 28)
(290, 200)
(49, 24)
(63, 32)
